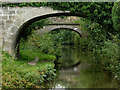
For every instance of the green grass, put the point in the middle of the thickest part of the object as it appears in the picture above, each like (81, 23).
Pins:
(28, 54)
(19, 74)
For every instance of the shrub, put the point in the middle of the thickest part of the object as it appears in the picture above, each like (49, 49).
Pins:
(18, 74)
(116, 16)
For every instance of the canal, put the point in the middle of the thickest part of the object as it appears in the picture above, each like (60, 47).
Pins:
(76, 69)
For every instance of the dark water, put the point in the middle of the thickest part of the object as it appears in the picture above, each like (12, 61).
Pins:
(83, 75)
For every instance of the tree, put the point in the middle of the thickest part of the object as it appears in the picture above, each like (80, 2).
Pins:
(116, 16)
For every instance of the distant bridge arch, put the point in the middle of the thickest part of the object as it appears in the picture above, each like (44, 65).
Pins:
(50, 28)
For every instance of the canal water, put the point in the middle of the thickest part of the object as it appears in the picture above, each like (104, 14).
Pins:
(77, 70)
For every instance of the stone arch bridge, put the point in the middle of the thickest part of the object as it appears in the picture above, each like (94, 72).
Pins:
(52, 27)
(15, 20)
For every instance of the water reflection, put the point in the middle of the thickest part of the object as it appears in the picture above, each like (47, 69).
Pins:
(69, 57)
(84, 75)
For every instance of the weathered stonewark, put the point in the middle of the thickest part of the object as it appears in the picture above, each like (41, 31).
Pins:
(15, 19)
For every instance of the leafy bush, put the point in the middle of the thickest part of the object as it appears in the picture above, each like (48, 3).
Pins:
(18, 74)
(110, 57)
(40, 44)
(116, 16)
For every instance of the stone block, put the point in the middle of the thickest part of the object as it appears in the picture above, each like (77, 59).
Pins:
(0, 18)
(13, 29)
(18, 22)
(20, 12)
(8, 23)
(12, 17)
(5, 17)
(11, 37)
(7, 46)
(0, 32)
(5, 10)
(0, 8)
(11, 12)
(1, 12)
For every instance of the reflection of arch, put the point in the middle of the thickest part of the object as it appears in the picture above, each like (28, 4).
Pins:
(24, 19)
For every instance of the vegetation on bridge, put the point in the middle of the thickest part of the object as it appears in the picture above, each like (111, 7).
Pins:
(99, 12)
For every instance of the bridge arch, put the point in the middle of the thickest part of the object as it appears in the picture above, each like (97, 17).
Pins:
(23, 19)
(48, 29)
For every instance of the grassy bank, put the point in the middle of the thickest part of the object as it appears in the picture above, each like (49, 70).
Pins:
(28, 55)
(19, 74)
